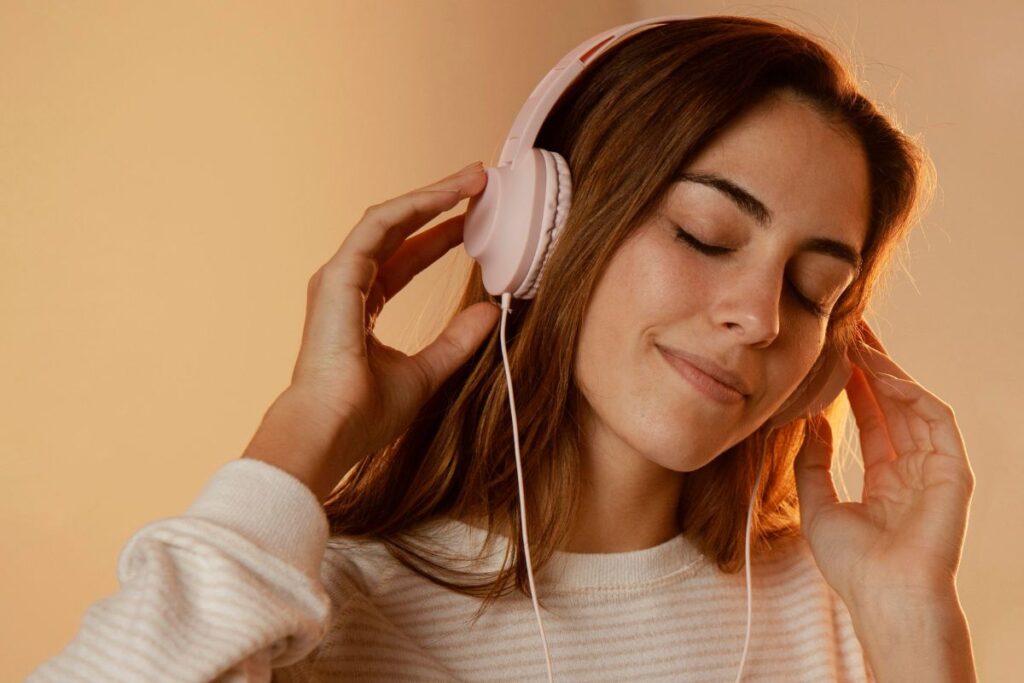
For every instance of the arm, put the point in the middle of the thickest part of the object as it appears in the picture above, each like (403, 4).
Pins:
(227, 591)
(923, 640)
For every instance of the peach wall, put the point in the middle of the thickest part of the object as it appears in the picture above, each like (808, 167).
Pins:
(171, 174)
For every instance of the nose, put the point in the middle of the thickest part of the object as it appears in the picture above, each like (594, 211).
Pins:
(749, 305)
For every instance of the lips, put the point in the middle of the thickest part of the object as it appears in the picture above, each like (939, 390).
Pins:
(708, 368)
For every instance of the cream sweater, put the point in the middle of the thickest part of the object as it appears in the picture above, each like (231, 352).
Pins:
(246, 586)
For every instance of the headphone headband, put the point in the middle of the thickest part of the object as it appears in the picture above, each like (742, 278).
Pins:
(538, 105)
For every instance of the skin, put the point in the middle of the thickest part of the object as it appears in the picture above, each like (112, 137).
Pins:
(645, 425)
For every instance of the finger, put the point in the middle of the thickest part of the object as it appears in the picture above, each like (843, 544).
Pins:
(385, 226)
(901, 435)
(876, 446)
(941, 433)
(870, 337)
(338, 313)
(813, 470)
(415, 254)
(336, 305)
(906, 430)
(874, 360)
(890, 379)
(935, 427)
(456, 343)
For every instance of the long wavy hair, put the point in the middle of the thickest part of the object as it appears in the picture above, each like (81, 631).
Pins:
(628, 126)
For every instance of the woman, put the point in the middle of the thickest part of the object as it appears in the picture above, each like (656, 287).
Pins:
(734, 199)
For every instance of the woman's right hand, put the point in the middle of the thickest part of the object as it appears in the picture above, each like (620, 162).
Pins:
(350, 394)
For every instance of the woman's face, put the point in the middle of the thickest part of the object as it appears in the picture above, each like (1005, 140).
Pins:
(742, 309)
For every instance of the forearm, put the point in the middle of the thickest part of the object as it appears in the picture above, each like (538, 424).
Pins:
(926, 640)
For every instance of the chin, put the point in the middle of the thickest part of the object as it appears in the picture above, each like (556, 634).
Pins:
(677, 455)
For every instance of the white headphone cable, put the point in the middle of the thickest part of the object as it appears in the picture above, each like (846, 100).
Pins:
(506, 300)
(750, 516)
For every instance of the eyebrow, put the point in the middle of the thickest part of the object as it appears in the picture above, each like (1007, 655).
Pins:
(755, 208)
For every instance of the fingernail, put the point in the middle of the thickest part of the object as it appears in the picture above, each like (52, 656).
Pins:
(475, 166)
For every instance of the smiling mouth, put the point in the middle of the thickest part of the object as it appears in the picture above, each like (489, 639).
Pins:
(703, 382)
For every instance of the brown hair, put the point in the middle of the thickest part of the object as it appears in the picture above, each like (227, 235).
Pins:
(628, 126)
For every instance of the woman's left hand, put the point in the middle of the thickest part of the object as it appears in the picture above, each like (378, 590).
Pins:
(904, 539)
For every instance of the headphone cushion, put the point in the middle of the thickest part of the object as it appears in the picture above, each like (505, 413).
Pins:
(559, 198)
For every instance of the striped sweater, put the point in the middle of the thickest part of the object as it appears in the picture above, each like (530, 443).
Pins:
(247, 586)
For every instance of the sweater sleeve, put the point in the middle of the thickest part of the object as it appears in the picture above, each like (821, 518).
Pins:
(225, 592)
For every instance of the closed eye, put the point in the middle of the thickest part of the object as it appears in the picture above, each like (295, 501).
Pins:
(819, 310)
(701, 246)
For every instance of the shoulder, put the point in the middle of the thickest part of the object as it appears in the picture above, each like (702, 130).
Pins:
(353, 567)
(365, 567)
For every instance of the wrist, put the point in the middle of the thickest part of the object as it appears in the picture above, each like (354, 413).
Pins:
(917, 595)
(915, 637)
(296, 437)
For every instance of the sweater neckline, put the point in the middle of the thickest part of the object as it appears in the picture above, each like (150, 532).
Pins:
(586, 570)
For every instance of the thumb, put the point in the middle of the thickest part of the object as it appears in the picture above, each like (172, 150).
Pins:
(456, 343)
(813, 469)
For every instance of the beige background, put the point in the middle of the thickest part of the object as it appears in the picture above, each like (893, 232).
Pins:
(172, 173)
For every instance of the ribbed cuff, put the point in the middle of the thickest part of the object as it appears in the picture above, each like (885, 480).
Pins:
(269, 507)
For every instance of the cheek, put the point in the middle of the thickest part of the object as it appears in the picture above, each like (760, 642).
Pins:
(650, 283)
(673, 283)
(789, 367)
(645, 289)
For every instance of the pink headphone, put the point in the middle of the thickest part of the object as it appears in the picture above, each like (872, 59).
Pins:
(511, 228)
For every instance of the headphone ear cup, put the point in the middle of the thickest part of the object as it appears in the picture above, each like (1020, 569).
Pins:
(557, 201)
(828, 377)
(511, 227)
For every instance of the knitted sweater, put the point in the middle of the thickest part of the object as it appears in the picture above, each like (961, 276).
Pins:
(247, 586)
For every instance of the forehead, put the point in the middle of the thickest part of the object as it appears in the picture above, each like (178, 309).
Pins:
(805, 171)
